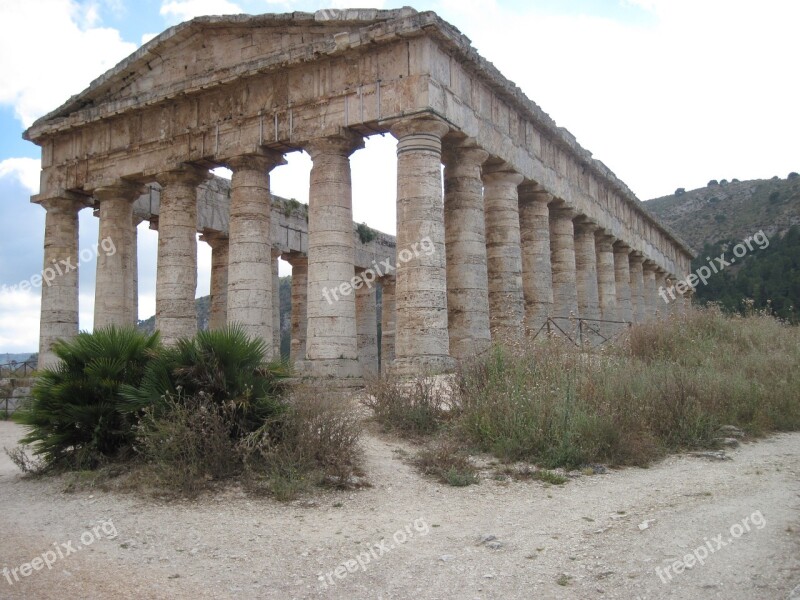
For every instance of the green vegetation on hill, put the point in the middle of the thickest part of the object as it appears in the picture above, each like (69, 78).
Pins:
(730, 210)
(767, 279)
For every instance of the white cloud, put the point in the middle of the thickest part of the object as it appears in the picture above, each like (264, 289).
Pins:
(24, 170)
(183, 10)
(19, 320)
(66, 54)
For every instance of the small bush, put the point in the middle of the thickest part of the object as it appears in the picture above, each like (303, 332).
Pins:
(448, 463)
(416, 407)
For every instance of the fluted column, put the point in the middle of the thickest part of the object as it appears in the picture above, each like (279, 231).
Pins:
(504, 253)
(367, 328)
(465, 243)
(537, 273)
(59, 312)
(276, 304)
(176, 280)
(650, 290)
(606, 279)
(662, 307)
(331, 347)
(218, 317)
(622, 278)
(297, 351)
(115, 279)
(387, 323)
(249, 252)
(562, 253)
(422, 342)
(586, 269)
(637, 287)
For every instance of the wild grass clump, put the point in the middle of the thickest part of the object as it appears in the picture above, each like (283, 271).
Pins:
(415, 407)
(448, 462)
(668, 387)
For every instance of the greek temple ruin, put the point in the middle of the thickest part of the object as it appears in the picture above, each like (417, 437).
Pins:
(521, 228)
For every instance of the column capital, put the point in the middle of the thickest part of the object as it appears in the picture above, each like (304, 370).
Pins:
(559, 208)
(604, 240)
(263, 161)
(426, 124)
(295, 259)
(584, 224)
(501, 172)
(649, 265)
(637, 257)
(465, 153)
(621, 247)
(67, 203)
(276, 252)
(530, 191)
(127, 190)
(214, 238)
(343, 143)
(185, 174)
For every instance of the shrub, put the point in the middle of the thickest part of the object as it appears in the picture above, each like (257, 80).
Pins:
(712, 182)
(77, 417)
(416, 407)
(680, 191)
(447, 462)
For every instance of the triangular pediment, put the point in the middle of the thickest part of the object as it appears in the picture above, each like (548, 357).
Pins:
(207, 51)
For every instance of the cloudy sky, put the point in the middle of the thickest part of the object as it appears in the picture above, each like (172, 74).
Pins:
(667, 93)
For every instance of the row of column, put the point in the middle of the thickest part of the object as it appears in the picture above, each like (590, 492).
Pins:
(505, 255)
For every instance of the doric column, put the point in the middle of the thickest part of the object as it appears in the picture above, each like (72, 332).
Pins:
(387, 323)
(115, 279)
(586, 269)
(650, 290)
(662, 307)
(59, 313)
(218, 317)
(504, 253)
(465, 243)
(606, 279)
(250, 246)
(367, 328)
(674, 308)
(276, 304)
(537, 273)
(635, 260)
(133, 261)
(622, 277)
(562, 260)
(176, 280)
(422, 342)
(297, 351)
(331, 347)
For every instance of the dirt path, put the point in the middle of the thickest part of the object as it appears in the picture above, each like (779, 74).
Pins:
(581, 540)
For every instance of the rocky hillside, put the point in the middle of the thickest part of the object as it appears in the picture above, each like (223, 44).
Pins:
(734, 209)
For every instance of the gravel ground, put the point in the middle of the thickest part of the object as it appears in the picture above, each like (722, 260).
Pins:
(599, 536)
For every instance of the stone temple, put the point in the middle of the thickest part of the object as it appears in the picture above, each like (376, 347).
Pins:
(524, 227)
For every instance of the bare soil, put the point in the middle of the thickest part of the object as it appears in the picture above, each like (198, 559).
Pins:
(599, 536)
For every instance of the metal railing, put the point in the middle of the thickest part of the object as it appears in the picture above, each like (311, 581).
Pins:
(18, 369)
(583, 332)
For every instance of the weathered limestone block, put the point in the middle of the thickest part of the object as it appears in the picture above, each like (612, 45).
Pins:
(59, 316)
(250, 279)
(218, 317)
(465, 243)
(637, 287)
(388, 318)
(537, 273)
(562, 252)
(176, 281)
(622, 278)
(504, 254)
(115, 280)
(422, 342)
(586, 267)
(331, 347)
(367, 327)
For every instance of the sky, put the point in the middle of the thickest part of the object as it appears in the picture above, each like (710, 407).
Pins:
(667, 93)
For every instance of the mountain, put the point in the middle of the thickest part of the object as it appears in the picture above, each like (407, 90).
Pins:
(7, 358)
(726, 210)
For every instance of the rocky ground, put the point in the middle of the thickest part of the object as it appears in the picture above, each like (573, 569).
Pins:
(599, 536)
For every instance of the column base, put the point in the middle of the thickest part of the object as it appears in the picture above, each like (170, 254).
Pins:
(423, 365)
(332, 368)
